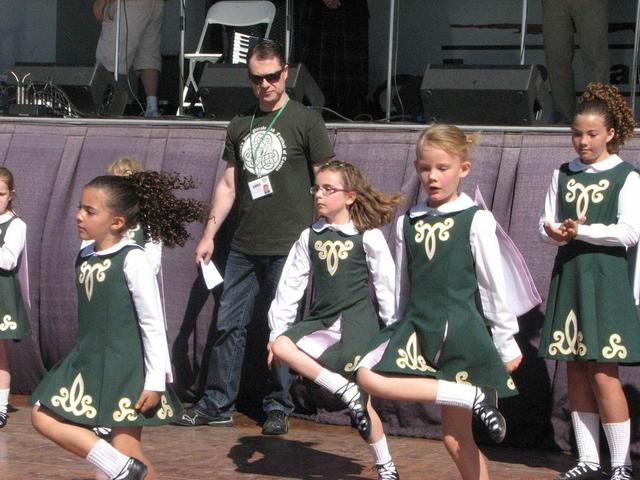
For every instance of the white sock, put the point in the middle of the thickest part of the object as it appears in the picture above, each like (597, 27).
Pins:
(152, 104)
(330, 380)
(455, 394)
(380, 451)
(586, 426)
(618, 438)
(4, 400)
(107, 458)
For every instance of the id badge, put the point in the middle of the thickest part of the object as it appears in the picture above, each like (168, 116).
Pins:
(260, 187)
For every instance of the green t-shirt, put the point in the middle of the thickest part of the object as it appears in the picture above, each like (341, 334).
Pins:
(286, 153)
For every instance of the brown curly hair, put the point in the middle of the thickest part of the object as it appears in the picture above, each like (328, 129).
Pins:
(148, 198)
(371, 208)
(605, 100)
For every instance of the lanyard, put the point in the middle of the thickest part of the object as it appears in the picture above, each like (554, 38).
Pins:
(254, 152)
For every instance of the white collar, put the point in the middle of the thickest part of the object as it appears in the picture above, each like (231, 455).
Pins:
(346, 228)
(6, 216)
(90, 249)
(576, 165)
(461, 203)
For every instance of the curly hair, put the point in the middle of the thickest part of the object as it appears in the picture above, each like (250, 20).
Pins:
(148, 198)
(448, 138)
(605, 100)
(371, 208)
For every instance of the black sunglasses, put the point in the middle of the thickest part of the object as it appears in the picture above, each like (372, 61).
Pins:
(269, 77)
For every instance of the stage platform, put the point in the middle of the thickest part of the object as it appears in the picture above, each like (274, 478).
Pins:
(309, 451)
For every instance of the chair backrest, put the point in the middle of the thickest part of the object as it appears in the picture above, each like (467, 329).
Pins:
(239, 14)
(242, 13)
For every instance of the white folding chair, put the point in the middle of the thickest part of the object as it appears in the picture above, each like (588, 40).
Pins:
(229, 13)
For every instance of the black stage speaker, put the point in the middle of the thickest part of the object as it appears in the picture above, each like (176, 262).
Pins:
(226, 92)
(485, 95)
(91, 90)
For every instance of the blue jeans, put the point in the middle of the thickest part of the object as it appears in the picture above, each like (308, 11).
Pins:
(245, 276)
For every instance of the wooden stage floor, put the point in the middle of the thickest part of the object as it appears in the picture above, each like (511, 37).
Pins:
(310, 451)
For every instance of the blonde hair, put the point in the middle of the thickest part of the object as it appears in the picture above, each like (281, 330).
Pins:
(448, 138)
(370, 208)
(123, 167)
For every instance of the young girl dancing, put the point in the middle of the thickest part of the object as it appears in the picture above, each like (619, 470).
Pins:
(116, 374)
(14, 323)
(447, 252)
(339, 252)
(591, 212)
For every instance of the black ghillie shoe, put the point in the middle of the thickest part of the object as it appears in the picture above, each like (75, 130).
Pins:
(622, 473)
(583, 471)
(485, 409)
(133, 470)
(356, 400)
(387, 471)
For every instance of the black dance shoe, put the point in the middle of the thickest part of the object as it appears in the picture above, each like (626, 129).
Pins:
(133, 470)
(485, 410)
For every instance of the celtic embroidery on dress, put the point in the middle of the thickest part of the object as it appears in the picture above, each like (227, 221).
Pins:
(582, 195)
(615, 348)
(333, 252)
(408, 357)
(131, 233)
(7, 324)
(351, 366)
(569, 341)
(165, 410)
(74, 400)
(429, 234)
(125, 412)
(87, 273)
(463, 377)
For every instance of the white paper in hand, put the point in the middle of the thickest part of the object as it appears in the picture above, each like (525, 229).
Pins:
(210, 273)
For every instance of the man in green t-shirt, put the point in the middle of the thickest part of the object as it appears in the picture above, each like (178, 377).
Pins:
(271, 152)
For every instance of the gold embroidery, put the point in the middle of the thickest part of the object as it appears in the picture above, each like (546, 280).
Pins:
(410, 358)
(74, 400)
(427, 233)
(332, 252)
(351, 366)
(615, 348)
(165, 409)
(584, 194)
(462, 377)
(511, 384)
(571, 335)
(7, 324)
(87, 272)
(125, 411)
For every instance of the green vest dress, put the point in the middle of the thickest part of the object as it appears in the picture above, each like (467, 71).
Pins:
(14, 322)
(99, 381)
(443, 333)
(341, 292)
(591, 314)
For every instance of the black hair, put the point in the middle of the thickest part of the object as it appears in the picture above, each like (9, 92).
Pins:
(265, 50)
(148, 198)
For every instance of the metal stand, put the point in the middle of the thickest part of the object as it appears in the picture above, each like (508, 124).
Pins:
(117, 49)
(634, 64)
(180, 111)
(392, 19)
(523, 31)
